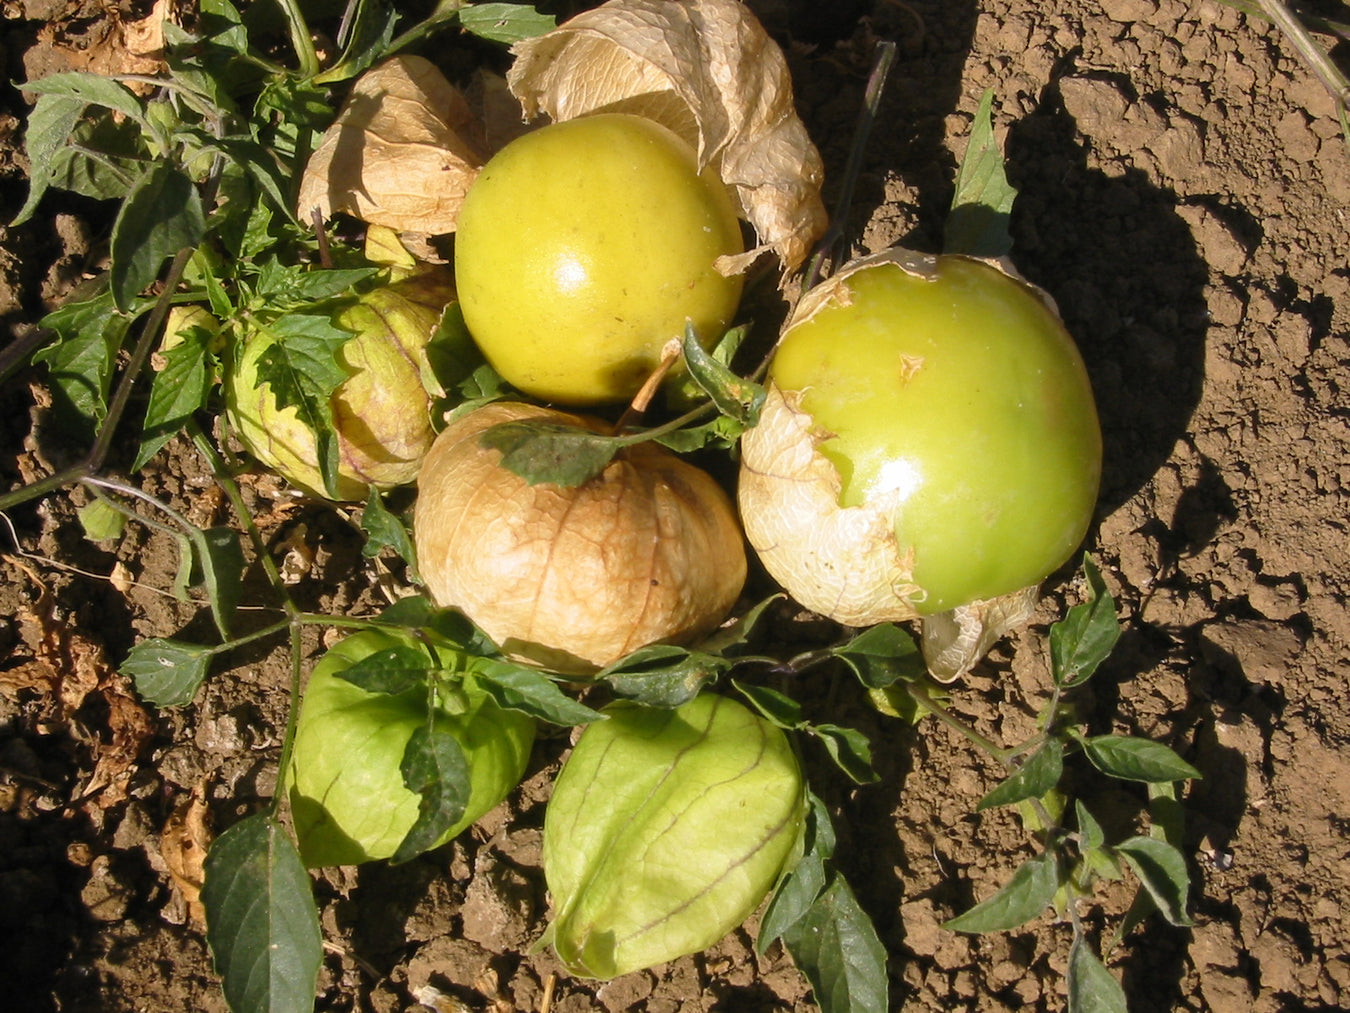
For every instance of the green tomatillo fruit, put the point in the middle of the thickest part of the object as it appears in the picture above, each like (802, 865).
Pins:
(584, 246)
(347, 789)
(930, 441)
(665, 830)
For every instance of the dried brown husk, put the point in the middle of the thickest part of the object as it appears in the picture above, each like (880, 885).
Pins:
(401, 153)
(573, 579)
(707, 70)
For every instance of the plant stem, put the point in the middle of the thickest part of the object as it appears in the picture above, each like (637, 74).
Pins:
(919, 693)
(300, 37)
(446, 10)
(1313, 55)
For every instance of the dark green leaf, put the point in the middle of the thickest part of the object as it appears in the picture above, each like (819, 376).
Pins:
(176, 391)
(1161, 868)
(849, 749)
(80, 362)
(733, 640)
(977, 224)
(160, 216)
(435, 768)
(384, 530)
(92, 90)
(836, 946)
(1167, 815)
(1090, 833)
(516, 687)
(1034, 778)
(261, 920)
(392, 670)
(414, 611)
(1029, 892)
(283, 287)
(882, 654)
(1085, 637)
(50, 124)
(1092, 988)
(262, 169)
(738, 398)
(550, 452)
(1136, 759)
(798, 890)
(103, 159)
(723, 431)
(505, 22)
(662, 675)
(219, 557)
(166, 672)
(778, 708)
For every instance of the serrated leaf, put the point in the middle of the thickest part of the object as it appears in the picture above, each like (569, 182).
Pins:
(505, 22)
(435, 768)
(176, 392)
(836, 946)
(515, 687)
(882, 654)
(384, 530)
(261, 920)
(662, 675)
(734, 396)
(1134, 759)
(283, 287)
(1162, 870)
(778, 708)
(161, 215)
(1029, 892)
(392, 670)
(101, 520)
(1092, 988)
(1039, 774)
(166, 673)
(977, 224)
(550, 452)
(219, 557)
(1086, 635)
(849, 749)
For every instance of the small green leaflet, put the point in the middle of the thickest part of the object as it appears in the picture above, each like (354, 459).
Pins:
(798, 890)
(161, 215)
(283, 287)
(836, 946)
(435, 768)
(881, 655)
(662, 675)
(1092, 988)
(1162, 869)
(516, 687)
(89, 334)
(176, 392)
(219, 560)
(849, 749)
(1135, 759)
(1086, 635)
(551, 452)
(734, 397)
(1090, 833)
(1034, 778)
(393, 670)
(977, 224)
(1029, 892)
(505, 22)
(776, 707)
(261, 920)
(101, 520)
(166, 673)
(384, 530)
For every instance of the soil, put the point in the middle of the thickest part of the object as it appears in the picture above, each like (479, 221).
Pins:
(1184, 196)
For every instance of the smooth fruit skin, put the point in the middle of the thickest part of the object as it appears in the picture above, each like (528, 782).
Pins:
(581, 249)
(964, 398)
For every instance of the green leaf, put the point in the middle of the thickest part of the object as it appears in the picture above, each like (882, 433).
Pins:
(91, 90)
(160, 216)
(849, 749)
(79, 363)
(176, 391)
(798, 890)
(393, 670)
(219, 557)
(836, 946)
(1029, 892)
(505, 22)
(102, 159)
(1086, 635)
(518, 688)
(733, 640)
(735, 397)
(1161, 868)
(166, 673)
(261, 920)
(384, 530)
(1135, 759)
(1090, 833)
(50, 125)
(1167, 816)
(283, 287)
(1092, 988)
(977, 224)
(776, 707)
(101, 520)
(1034, 778)
(456, 361)
(435, 768)
(662, 675)
(721, 432)
(550, 452)
(882, 654)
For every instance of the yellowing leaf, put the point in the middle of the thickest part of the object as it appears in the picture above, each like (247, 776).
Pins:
(707, 70)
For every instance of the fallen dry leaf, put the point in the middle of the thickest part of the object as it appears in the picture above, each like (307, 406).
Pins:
(401, 153)
(115, 48)
(183, 844)
(707, 70)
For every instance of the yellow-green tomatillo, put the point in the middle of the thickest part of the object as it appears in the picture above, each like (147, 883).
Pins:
(930, 441)
(584, 246)
(346, 785)
(666, 829)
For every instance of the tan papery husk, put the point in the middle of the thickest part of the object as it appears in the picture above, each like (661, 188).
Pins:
(573, 579)
(401, 153)
(707, 70)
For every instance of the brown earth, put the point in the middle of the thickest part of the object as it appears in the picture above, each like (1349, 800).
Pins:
(1185, 197)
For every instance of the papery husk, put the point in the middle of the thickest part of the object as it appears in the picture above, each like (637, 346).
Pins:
(401, 153)
(572, 579)
(707, 70)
